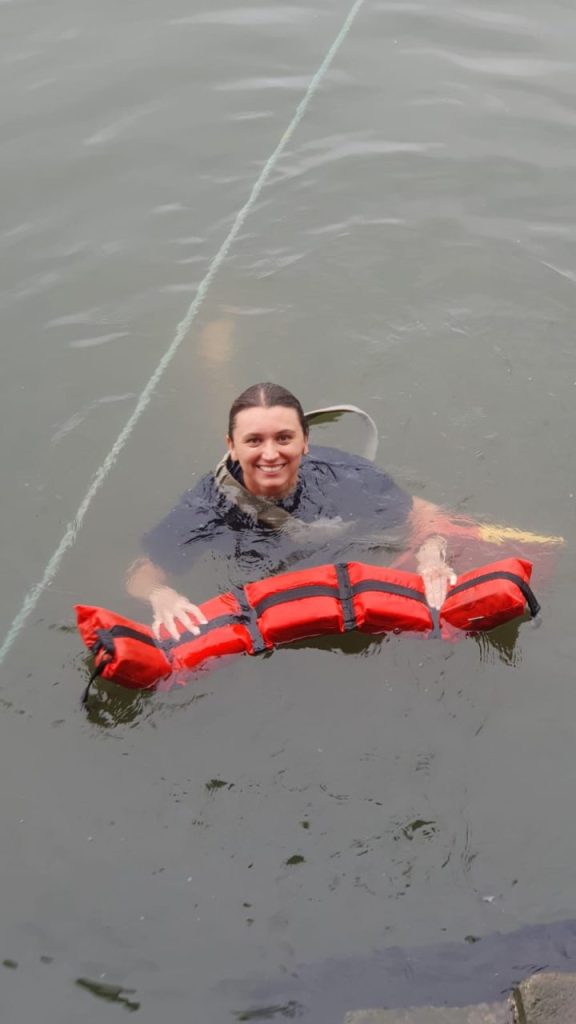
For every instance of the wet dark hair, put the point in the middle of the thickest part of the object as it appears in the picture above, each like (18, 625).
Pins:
(265, 396)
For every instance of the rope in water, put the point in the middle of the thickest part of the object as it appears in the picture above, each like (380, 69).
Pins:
(34, 594)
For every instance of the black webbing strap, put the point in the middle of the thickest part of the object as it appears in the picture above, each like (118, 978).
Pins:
(389, 588)
(107, 637)
(295, 594)
(249, 618)
(527, 592)
(97, 671)
(344, 592)
(204, 627)
(435, 616)
(346, 596)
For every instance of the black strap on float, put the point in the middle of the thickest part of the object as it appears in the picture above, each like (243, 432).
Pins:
(346, 596)
(399, 591)
(203, 627)
(345, 592)
(435, 616)
(389, 588)
(105, 642)
(487, 577)
(99, 668)
(108, 636)
(295, 594)
(249, 618)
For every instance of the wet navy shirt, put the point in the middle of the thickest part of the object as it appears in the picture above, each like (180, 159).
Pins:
(331, 485)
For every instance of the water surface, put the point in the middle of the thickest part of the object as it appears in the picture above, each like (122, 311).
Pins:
(413, 253)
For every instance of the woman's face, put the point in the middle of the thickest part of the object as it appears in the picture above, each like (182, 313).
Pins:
(269, 445)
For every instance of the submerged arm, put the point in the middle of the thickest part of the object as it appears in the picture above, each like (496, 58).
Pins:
(431, 549)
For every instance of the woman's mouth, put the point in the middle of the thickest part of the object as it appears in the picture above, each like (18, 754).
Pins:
(271, 470)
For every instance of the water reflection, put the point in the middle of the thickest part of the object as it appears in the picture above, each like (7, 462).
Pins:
(446, 974)
(436, 285)
(501, 644)
(109, 705)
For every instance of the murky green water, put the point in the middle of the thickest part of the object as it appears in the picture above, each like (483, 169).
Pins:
(414, 252)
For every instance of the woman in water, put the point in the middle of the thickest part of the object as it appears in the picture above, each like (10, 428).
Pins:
(273, 500)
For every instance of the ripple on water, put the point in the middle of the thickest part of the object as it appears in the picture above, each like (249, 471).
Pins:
(116, 127)
(505, 66)
(343, 226)
(294, 83)
(332, 150)
(101, 339)
(89, 317)
(285, 15)
(79, 417)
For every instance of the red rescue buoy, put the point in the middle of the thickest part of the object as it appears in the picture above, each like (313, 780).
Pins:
(309, 602)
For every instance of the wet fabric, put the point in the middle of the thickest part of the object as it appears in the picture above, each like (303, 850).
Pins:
(337, 496)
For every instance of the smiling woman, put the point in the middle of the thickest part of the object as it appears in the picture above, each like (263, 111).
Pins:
(277, 499)
(268, 441)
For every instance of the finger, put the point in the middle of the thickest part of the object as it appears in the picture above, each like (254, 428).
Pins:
(436, 593)
(156, 628)
(429, 590)
(188, 622)
(453, 579)
(196, 612)
(170, 625)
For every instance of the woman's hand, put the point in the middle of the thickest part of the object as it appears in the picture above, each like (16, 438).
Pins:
(434, 570)
(168, 606)
(147, 582)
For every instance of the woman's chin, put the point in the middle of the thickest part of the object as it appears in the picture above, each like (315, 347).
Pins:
(274, 486)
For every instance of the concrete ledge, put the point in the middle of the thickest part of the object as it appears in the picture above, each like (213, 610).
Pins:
(547, 998)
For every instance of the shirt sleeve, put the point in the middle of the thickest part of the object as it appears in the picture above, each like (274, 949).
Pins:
(184, 533)
(387, 503)
(355, 489)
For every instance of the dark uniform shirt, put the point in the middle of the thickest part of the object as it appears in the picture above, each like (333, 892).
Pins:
(341, 496)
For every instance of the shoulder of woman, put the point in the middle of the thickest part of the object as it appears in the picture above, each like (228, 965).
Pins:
(337, 460)
(204, 490)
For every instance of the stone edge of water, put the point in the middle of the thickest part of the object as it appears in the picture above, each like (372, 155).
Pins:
(545, 998)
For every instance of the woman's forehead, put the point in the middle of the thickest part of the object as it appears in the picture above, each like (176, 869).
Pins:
(262, 420)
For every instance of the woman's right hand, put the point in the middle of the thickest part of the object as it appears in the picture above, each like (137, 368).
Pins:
(168, 606)
(437, 575)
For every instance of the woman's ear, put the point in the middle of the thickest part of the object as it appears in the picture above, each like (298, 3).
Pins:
(230, 447)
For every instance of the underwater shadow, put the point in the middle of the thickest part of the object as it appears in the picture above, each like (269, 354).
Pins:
(463, 973)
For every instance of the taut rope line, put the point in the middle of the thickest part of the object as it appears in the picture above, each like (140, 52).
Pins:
(34, 594)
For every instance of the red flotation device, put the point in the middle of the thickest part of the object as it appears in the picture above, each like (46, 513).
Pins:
(306, 603)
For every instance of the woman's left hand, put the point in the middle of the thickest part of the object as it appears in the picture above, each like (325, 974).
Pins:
(434, 570)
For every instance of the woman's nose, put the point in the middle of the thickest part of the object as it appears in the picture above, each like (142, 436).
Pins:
(269, 450)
